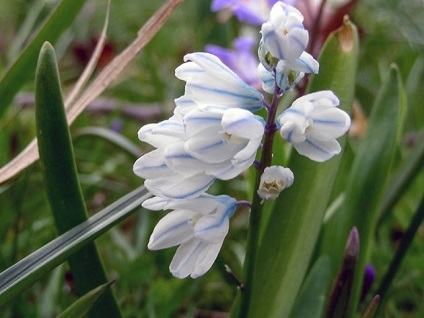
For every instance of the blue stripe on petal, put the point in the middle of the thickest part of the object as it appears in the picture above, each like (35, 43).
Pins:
(221, 91)
(317, 147)
(202, 189)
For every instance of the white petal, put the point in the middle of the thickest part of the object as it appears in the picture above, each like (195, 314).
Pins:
(184, 261)
(151, 165)
(212, 65)
(226, 170)
(206, 259)
(329, 122)
(173, 229)
(268, 81)
(318, 150)
(155, 203)
(307, 64)
(184, 105)
(178, 187)
(321, 98)
(212, 228)
(208, 146)
(181, 162)
(198, 120)
(209, 81)
(203, 204)
(242, 123)
(246, 154)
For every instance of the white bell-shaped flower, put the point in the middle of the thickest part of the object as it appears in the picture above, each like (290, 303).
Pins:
(313, 123)
(274, 180)
(283, 35)
(225, 138)
(198, 226)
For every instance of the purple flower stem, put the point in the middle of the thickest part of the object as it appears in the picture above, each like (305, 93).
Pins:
(255, 214)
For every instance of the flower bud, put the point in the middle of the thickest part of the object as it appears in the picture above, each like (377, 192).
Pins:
(274, 180)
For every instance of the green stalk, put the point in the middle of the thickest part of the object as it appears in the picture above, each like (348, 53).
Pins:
(61, 180)
(256, 210)
(404, 245)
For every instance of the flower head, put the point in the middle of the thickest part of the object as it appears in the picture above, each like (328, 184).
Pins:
(313, 123)
(274, 180)
(210, 82)
(198, 226)
(283, 35)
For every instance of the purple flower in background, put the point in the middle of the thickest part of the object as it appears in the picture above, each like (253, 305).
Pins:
(251, 11)
(241, 59)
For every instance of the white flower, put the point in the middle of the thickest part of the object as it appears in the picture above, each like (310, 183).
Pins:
(212, 133)
(226, 139)
(161, 180)
(283, 35)
(313, 123)
(274, 180)
(287, 75)
(210, 82)
(198, 226)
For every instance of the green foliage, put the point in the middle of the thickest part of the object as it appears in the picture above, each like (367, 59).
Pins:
(83, 305)
(390, 32)
(22, 69)
(293, 226)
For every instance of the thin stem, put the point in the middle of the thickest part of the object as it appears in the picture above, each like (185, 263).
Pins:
(255, 214)
(403, 248)
(316, 27)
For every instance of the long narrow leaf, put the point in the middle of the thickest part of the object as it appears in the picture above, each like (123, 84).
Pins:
(61, 178)
(367, 180)
(23, 274)
(81, 307)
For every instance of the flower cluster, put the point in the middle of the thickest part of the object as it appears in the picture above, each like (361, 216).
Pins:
(214, 134)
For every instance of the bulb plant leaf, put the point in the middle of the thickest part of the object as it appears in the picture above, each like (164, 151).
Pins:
(61, 179)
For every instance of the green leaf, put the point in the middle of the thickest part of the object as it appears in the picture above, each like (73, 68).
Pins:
(293, 227)
(61, 179)
(23, 68)
(311, 298)
(367, 179)
(23, 274)
(81, 307)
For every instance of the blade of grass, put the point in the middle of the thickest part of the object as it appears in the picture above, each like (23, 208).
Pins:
(29, 155)
(27, 271)
(371, 170)
(311, 299)
(407, 173)
(404, 245)
(23, 68)
(61, 179)
(81, 307)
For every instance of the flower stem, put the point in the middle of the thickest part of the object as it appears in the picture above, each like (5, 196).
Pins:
(255, 214)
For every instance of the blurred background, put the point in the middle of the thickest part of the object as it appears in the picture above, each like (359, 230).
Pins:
(391, 31)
